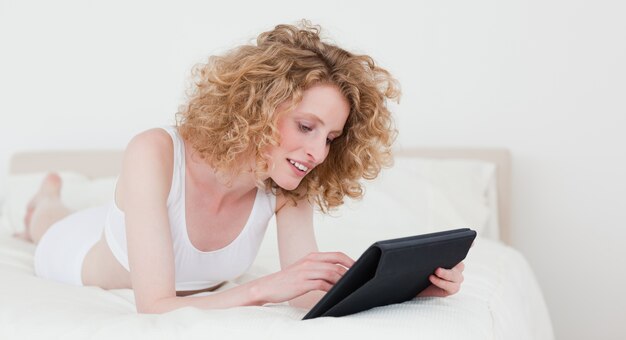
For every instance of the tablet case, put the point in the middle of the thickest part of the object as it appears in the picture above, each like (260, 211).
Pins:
(393, 271)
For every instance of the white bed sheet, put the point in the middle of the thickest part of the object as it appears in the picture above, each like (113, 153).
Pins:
(500, 299)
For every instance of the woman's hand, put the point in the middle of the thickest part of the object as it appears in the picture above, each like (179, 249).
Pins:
(316, 271)
(445, 282)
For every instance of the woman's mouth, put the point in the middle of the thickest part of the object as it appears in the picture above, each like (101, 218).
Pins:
(299, 168)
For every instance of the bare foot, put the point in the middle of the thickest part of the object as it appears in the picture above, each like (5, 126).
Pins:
(50, 187)
(22, 235)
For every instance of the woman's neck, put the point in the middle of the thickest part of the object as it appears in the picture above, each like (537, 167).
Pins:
(220, 189)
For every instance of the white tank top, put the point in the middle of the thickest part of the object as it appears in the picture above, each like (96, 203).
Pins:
(196, 269)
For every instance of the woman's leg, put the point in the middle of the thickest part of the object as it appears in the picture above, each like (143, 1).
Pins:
(44, 209)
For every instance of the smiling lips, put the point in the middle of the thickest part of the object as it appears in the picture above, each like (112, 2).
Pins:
(300, 168)
(299, 165)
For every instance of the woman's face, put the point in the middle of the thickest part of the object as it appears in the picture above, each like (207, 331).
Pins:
(306, 134)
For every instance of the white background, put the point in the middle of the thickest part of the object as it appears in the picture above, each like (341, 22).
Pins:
(543, 78)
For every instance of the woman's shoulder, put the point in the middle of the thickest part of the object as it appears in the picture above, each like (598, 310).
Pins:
(150, 148)
(284, 203)
(153, 139)
(147, 162)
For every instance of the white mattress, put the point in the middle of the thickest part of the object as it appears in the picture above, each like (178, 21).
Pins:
(500, 299)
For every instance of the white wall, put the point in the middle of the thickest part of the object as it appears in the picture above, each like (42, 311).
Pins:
(545, 79)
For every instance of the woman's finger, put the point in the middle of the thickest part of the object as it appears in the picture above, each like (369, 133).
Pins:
(447, 286)
(332, 257)
(318, 285)
(449, 275)
(325, 271)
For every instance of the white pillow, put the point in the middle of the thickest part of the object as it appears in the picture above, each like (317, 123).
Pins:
(415, 196)
(77, 192)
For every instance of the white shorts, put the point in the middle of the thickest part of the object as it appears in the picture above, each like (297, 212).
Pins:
(62, 249)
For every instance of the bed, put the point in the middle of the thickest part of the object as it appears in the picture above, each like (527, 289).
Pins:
(428, 189)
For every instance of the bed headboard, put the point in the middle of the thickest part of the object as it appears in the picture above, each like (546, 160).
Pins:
(91, 163)
(499, 156)
(103, 163)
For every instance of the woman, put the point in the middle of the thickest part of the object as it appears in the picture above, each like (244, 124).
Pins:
(271, 128)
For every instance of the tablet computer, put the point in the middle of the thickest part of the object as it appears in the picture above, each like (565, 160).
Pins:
(393, 271)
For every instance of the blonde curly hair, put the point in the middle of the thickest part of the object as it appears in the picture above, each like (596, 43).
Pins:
(232, 111)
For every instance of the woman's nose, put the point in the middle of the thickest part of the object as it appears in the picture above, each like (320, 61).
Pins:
(316, 151)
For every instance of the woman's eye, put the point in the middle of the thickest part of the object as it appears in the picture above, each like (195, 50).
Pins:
(305, 128)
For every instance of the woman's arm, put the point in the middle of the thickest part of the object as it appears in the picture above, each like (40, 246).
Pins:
(142, 190)
(296, 243)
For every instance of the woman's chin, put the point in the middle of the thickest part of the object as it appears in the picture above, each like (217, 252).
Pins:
(288, 185)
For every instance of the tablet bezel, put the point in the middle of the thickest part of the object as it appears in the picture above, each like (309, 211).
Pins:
(457, 242)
